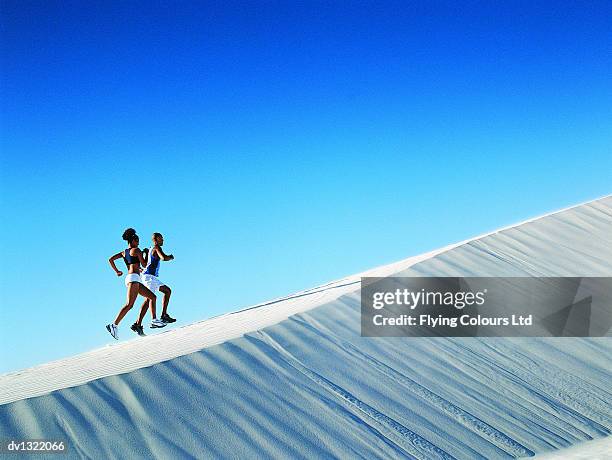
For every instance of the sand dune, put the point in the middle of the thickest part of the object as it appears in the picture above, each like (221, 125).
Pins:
(292, 378)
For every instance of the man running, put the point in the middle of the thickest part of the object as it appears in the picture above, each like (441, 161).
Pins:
(133, 260)
(149, 275)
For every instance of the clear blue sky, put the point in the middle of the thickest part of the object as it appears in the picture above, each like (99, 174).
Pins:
(277, 144)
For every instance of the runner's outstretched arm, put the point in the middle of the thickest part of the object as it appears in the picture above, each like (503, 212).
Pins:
(163, 256)
(111, 261)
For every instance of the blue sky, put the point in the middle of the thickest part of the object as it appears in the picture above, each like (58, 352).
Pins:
(277, 145)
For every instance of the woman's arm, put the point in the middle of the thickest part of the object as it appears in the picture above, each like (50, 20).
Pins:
(142, 260)
(111, 261)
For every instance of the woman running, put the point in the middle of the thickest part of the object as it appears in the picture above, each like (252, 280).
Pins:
(133, 260)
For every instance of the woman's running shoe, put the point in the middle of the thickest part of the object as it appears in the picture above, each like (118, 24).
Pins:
(113, 330)
(137, 328)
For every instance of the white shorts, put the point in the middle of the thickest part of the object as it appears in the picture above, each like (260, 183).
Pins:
(132, 278)
(151, 281)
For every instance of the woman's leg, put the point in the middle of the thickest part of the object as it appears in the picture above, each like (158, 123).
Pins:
(143, 310)
(132, 293)
(149, 301)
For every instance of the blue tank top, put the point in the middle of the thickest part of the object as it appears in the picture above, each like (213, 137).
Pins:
(129, 259)
(152, 264)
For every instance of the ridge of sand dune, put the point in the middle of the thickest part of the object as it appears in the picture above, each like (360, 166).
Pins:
(292, 377)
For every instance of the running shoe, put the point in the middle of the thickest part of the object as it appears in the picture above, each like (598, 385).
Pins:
(157, 323)
(113, 330)
(166, 318)
(137, 328)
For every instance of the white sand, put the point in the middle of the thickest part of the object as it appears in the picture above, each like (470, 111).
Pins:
(292, 377)
(599, 449)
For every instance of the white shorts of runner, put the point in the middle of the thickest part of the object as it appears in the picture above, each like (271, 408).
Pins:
(132, 278)
(151, 281)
